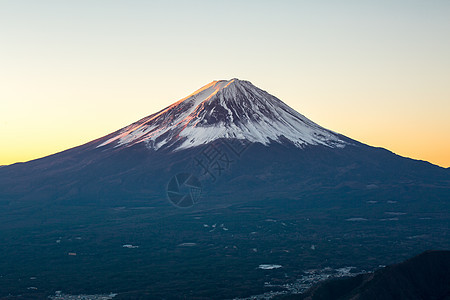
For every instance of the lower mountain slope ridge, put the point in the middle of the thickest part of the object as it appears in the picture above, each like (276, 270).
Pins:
(423, 277)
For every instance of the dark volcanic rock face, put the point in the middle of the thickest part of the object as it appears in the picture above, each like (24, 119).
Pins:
(426, 276)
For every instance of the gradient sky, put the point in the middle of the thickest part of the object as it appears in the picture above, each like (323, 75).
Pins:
(73, 71)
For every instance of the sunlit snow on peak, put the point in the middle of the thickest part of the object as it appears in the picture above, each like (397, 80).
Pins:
(225, 109)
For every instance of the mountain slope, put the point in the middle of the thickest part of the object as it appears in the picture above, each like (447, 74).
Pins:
(285, 153)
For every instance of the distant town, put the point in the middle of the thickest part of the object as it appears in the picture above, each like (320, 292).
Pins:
(60, 296)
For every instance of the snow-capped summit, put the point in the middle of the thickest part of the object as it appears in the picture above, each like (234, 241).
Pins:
(225, 109)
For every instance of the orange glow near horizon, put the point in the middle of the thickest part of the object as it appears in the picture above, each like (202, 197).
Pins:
(423, 144)
(435, 155)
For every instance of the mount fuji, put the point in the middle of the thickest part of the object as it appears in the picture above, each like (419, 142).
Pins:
(230, 177)
(286, 153)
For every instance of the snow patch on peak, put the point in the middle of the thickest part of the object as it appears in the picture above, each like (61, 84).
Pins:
(225, 109)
